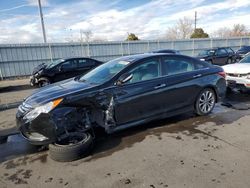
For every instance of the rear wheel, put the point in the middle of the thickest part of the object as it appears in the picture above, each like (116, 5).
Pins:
(71, 147)
(205, 102)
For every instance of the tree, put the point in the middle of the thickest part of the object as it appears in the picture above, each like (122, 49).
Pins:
(199, 33)
(237, 31)
(87, 35)
(132, 36)
(181, 30)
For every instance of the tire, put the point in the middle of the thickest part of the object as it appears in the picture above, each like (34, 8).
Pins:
(229, 61)
(204, 108)
(43, 82)
(65, 150)
(3, 139)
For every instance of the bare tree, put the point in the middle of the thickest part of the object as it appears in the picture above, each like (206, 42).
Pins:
(181, 30)
(87, 35)
(237, 31)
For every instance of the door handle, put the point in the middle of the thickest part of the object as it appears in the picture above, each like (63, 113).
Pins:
(197, 75)
(160, 86)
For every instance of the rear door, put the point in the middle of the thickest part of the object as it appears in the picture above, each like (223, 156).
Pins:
(182, 82)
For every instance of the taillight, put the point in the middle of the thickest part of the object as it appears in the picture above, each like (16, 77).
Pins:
(223, 74)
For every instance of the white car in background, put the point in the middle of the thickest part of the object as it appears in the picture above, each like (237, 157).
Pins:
(238, 74)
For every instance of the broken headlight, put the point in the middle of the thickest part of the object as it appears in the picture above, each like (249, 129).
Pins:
(46, 108)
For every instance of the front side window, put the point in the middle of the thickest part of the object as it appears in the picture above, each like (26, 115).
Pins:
(147, 70)
(246, 59)
(172, 66)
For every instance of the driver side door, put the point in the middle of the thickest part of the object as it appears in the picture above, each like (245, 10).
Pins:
(66, 70)
(140, 97)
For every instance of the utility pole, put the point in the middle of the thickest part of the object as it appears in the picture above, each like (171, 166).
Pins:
(42, 22)
(195, 20)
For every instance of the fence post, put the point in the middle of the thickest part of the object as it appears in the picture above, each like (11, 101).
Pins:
(158, 44)
(148, 45)
(240, 42)
(211, 43)
(226, 42)
(128, 48)
(193, 48)
(1, 74)
(88, 49)
(121, 49)
(50, 52)
(172, 44)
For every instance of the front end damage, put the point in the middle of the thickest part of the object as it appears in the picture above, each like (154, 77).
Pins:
(97, 110)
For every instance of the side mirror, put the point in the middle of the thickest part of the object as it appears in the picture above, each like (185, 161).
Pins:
(124, 78)
(60, 68)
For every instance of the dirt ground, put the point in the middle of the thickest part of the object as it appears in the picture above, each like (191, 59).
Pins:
(182, 151)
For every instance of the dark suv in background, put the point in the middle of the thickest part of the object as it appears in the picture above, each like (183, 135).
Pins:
(240, 53)
(218, 56)
(61, 69)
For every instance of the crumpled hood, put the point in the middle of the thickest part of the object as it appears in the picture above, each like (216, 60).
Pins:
(237, 68)
(57, 90)
(38, 68)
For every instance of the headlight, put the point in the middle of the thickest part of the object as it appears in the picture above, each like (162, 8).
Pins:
(248, 76)
(38, 73)
(202, 59)
(46, 108)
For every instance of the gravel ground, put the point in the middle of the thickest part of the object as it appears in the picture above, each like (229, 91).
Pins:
(183, 151)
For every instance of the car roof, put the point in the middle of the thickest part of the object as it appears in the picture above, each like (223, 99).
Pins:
(133, 58)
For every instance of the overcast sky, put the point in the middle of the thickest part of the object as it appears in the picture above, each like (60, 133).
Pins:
(112, 20)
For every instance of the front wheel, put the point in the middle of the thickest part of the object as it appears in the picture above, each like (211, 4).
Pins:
(71, 147)
(43, 82)
(205, 102)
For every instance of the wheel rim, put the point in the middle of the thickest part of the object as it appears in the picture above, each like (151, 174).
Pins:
(44, 83)
(206, 101)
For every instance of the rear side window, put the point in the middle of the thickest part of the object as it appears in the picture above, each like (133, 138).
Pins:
(70, 64)
(85, 63)
(172, 66)
(221, 51)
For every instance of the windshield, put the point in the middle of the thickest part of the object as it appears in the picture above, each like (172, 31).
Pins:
(206, 52)
(54, 63)
(104, 72)
(246, 59)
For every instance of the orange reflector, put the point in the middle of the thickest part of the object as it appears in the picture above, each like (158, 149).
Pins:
(56, 102)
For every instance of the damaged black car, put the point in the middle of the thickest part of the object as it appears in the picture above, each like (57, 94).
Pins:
(121, 93)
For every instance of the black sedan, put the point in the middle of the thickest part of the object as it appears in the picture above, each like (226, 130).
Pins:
(217, 56)
(121, 93)
(61, 69)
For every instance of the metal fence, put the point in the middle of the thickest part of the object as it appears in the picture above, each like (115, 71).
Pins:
(20, 59)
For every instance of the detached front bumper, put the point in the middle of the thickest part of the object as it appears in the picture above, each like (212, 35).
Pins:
(33, 81)
(40, 131)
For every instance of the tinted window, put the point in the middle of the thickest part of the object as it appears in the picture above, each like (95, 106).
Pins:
(147, 70)
(85, 62)
(172, 66)
(221, 51)
(70, 64)
(230, 50)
